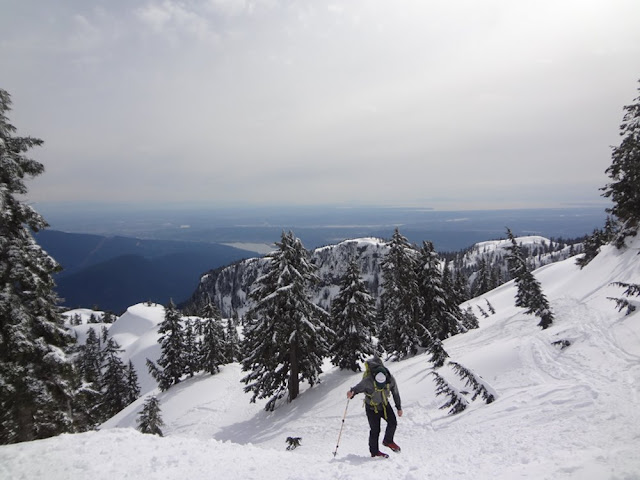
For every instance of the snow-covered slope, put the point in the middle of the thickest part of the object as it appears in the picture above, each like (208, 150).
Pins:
(542, 251)
(560, 413)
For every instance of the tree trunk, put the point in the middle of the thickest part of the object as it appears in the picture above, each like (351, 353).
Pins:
(294, 382)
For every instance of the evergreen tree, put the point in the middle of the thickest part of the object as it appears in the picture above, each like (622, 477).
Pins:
(209, 310)
(191, 349)
(232, 344)
(441, 317)
(592, 243)
(104, 335)
(172, 359)
(133, 387)
(455, 284)
(286, 338)
(113, 385)
(490, 307)
(90, 358)
(461, 288)
(36, 379)
(352, 317)
(483, 282)
(591, 247)
(529, 295)
(400, 332)
(438, 354)
(150, 419)
(469, 320)
(212, 347)
(624, 171)
(88, 394)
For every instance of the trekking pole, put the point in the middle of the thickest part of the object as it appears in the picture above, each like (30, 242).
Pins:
(341, 426)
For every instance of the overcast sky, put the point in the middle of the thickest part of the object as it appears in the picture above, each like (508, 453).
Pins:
(445, 104)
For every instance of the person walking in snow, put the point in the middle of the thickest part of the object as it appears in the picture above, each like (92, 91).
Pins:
(376, 384)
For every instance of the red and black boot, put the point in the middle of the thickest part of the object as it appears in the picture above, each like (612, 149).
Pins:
(392, 445)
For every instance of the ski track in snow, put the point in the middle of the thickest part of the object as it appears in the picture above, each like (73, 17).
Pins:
(560, 413)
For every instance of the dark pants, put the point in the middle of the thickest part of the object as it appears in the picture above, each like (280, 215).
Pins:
(374, 424)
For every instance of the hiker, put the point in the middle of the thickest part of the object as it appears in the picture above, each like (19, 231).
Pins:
(377, 382)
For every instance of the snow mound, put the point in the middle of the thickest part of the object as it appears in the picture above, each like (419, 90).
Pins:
(136, 322)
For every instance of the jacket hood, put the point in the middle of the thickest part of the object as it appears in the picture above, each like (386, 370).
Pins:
(374, 362)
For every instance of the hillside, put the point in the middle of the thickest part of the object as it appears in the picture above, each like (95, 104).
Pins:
(115, 272)
(560, 413)
(229, 286)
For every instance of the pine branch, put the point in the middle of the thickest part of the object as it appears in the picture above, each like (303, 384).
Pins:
(622, 303)
(456, 401)
(480, 388)
(632, 289)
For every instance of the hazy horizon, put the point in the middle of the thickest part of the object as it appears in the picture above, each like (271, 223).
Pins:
(322, 225)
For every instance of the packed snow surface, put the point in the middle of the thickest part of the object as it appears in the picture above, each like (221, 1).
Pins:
(560, 413)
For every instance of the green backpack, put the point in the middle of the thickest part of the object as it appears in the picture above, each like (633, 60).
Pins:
(381, 386)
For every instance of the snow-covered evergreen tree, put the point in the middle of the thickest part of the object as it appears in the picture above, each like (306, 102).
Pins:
(400, 331)
(286, 336)
(530, 295)
(113, 384)
(232, 342)
(212, 347)
(353, 314)
(209, 310)
(172, 359)
(469, 319)
(191, 349)
(150, 419)
(460, 288)
(483, 280)
(438, 354)
(88, 394)
(624, 171)
(441, 317)
(89, 358)
(133, 387)
(591, 247)
(36, 378)
(492, 310)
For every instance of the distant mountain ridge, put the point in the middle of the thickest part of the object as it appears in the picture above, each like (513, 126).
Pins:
(113, 273)
(228, 287)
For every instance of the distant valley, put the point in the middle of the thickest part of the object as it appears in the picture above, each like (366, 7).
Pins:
(113, 273)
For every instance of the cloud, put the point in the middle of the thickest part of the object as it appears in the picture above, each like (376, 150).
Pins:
(365, 100)
(176, 19)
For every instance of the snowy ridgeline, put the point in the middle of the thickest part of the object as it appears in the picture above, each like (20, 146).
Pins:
(229, 287)
(566, 405)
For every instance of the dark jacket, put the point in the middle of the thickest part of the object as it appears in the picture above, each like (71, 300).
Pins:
(374, 396)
